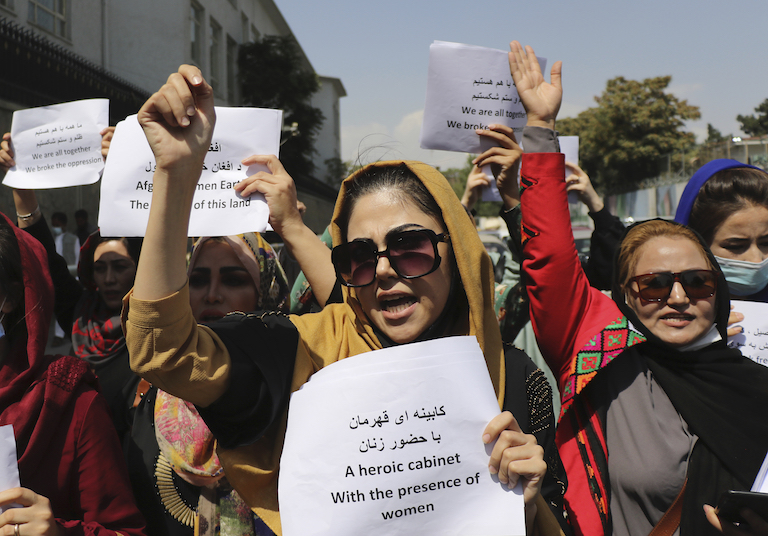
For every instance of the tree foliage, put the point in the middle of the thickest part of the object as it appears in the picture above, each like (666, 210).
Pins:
(274, 75)
(622, 139)
(713, 135)
(755, 125)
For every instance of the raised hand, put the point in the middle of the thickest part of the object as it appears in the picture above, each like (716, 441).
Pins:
(106, 140)
(540, 99)
(6, 154)
(278, 189)
(577, 181)
(178, 121)
(504, 160)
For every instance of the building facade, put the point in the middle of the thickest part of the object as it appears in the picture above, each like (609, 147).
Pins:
(61, 50)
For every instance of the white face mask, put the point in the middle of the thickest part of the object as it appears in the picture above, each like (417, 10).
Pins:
(744, 277)
(57, 231)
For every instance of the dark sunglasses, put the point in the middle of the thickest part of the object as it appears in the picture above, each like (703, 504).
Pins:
(698, 284)
(411, 253)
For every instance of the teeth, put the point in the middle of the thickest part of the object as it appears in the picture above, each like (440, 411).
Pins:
(398, 304)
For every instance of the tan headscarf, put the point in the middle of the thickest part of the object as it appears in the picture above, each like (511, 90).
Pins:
(342, 330)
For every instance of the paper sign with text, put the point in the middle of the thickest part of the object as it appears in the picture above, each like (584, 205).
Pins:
(753, 340)
(59, 145)
(126, 189)
(9, 467)
(468, 87)
(389, 443)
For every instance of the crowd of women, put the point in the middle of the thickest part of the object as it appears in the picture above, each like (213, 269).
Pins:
(658, 416)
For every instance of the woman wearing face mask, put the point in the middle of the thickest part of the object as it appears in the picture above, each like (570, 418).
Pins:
(226, 274)
(71, 470)
(726, 202)
(656, 411)
(436, 280)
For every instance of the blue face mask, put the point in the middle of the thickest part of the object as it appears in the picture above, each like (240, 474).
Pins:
(2, 317)
(744, 278)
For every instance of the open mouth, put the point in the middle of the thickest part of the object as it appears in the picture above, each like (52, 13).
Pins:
(397, 305)
(678, 318)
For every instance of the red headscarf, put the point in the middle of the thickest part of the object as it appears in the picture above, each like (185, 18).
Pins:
(35, 389)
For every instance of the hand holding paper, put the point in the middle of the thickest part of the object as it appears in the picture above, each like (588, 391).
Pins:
(34, 513)
(504, 159)
(515, 455)
(540, 99)
(6, 153)
(278, 189)
(56, 146)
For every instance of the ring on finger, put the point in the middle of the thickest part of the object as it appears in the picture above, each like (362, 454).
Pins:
(16, 530)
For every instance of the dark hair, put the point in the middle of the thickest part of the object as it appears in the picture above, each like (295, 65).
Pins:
(398, 180)
(133, 245)
(12, 279)
(81, 213)
(59, 216)
(725, 193)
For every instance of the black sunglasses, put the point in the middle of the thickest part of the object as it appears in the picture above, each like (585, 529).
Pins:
(411, 253)
(698, 284)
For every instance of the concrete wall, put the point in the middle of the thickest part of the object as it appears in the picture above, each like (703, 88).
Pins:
(143, 41)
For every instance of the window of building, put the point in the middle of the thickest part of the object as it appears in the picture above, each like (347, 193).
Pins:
(255, 35)
(7, 3)
(231, 70)
(214, 49)
(50, 15)
(196, 15)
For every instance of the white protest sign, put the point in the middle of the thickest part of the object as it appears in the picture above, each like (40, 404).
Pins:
(753, 340)
(126, 188)
(57, 146)
(468, 87)
(569, 146)
(9, 467)
(389, 443)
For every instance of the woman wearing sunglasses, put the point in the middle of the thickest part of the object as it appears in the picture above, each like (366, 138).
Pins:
(414, 269)
(656, 410)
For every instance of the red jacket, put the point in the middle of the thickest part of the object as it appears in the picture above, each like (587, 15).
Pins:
(579, 331)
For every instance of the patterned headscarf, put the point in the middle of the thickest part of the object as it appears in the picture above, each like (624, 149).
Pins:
(183, 437)
(260, 260)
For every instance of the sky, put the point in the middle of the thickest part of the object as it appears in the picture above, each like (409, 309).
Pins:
(714, 51)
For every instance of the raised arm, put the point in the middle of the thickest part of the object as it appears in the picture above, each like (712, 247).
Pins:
(558, 289)
(178, 121)
(310, 252)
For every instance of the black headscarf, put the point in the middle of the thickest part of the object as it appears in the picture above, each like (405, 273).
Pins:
(721, 395)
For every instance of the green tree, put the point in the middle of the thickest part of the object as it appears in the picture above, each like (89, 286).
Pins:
(622, 139)
(713, 135)
(755, 125)
(274, 75)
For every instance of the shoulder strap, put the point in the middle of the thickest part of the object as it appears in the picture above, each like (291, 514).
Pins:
(669, 522)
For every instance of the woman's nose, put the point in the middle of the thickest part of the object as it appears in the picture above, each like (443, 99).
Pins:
(678, 294)
(213, 295)
(384, 268)
(753, 254)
